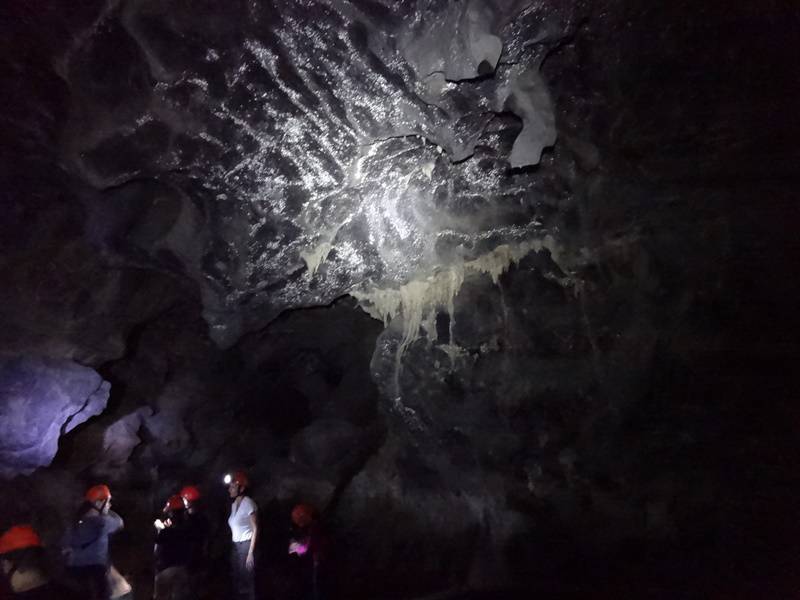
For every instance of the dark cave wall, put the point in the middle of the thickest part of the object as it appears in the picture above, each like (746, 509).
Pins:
(636, 380)
(618, 406)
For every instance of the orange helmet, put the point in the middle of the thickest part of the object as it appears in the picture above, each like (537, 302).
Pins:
(19, 537)
(238, 477)
(190, 493)
(98, 492)
(302, 515)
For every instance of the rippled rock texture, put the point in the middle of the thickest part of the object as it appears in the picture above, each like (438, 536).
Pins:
(282, 154)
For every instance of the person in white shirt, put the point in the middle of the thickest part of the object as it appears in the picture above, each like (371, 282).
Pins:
(243, 522)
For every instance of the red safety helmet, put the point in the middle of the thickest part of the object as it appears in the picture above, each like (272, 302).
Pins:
(238, 477)
(190, 493)
(174, 503)
(302, 515)
(98, 492)
(19, 537)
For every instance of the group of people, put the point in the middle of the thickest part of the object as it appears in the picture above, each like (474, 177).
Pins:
(85, 546)
(181, 547)
(180, 555)
(307, 543)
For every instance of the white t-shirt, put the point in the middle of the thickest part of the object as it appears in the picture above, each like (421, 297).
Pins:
(239, 521)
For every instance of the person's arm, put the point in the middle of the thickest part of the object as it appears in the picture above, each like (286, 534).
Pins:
(158, 548)
(66, 543)
(250, 562)
(113, 522)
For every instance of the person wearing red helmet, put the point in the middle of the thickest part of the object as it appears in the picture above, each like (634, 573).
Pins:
(243, 522)
(172, 552)
(302, 515)
(23, 565)
(198, 528)
(86, 542)
(306, 549)
(173, 506)
(190, 494)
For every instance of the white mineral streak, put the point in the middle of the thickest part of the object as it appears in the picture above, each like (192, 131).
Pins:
(316, 256)
(419, 300)
(453, 351)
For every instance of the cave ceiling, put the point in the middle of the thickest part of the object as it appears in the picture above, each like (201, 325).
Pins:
(284, 154)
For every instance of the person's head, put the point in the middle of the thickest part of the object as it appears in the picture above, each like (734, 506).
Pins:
(303, 515)
(21, 556)
(174, 506)
(99, 498)
(237, 483)
(191, 496)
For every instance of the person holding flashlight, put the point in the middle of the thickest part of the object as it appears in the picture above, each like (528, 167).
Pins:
(243, 522)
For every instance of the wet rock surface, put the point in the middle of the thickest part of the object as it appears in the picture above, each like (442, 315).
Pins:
(506, 289)
(312, 149)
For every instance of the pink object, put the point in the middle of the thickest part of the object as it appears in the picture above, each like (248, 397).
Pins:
(299, 548)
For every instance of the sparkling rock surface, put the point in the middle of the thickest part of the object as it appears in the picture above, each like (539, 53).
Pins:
(313, 149)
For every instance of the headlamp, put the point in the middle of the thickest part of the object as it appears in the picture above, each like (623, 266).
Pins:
(227, 479)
